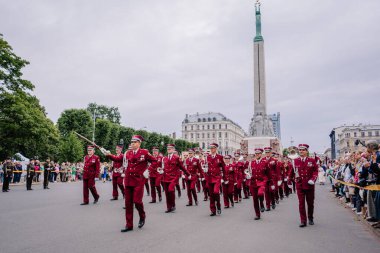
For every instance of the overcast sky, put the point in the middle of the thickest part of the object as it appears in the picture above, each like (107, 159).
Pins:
(159, 59)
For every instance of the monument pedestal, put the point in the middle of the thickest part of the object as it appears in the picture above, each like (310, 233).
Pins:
(250, 143)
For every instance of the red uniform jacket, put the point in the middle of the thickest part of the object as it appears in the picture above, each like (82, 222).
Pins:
(307, 170)
(91, 167)
(216, 167)
(239, 171)
(117, 163)
(172, 169)
(273, 170)
(260, 173)
(230, 173)
(154, 166)
(194, 167)
(281, 171)
(137, 164)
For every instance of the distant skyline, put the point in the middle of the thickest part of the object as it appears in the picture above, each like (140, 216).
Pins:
(160, 60)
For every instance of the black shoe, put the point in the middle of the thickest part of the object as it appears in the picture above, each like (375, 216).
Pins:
(257, 218)
(232, 204)
(268, 209)
(168, 211)
(273, 206)
(96, 200)
(277, 202)
(124, 207)
(262, 209)
(219, 211)
(311, 222)
(212, 214)
(160, 199)
(126, 230)
(153, 201)
(302, 225)
(196, 203)
(141, 223)
(84, 203)
(189, 204)
(113, 199)
(226, 207)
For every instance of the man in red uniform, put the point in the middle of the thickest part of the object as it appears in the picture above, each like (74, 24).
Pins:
(155, 175)
(194, 167)
(245, 184)
(260, 176)
(203, 178)
(239, 172)
(172, 168)
(214, 168)
(118, 171)
(229, 182)
(305, 173)
(287, 168)
(136, 172)
(272, 183)
(91, 170)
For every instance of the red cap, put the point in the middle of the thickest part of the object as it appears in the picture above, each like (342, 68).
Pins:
(190, 150)
(259, 150)
(170, 146)
(267, 149)
(138, 138)
(303, 146)
(227, 157)
(155, 148)
(90, 147)
(119, 146)
(214, 145)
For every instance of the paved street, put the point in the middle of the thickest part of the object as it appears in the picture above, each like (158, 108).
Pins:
(53, 221)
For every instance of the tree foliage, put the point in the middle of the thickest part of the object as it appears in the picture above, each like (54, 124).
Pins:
(78, 120)
(105, 112)
(71, 149)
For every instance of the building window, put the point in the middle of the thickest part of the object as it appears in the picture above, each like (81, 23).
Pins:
(377, 133)
(204, 120)
(208, 135)
(203, 145)
(370, 134)
(203, 135)
(208, 127)
(348, 144)
(226, 144)
(220, 126)
(214, 119)
(199, 120)
(220, 134)
(226, 135)
(209, 119)
(197, 135)
(197, 127)
(362, 134)
(192, 136)
(226, 126)
(186, 136)
(185, 128)
(191, 127)
(213, 126)
(213, 135)
(203, 127)
(355, 134)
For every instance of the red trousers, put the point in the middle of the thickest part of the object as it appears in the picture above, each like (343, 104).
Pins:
(169, 188)
(206, 192)
(133, 195)
(245, 187)
(117, 181)
(228, 193)
(155, 184)
(287, 190)
(191, 192)
(308, 196)
(147, 186)
(198, 185)
(214, 196)
(89, 184)
(258, 193)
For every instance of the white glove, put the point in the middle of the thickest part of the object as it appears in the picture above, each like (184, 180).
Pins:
(222, 181)
(279, 183)
(248, 177)
(104, 151)
(235, 183)
(123, 175)
(146, 174)
(272, 187)
(286, 180)
(203, 179)
(183, 176)
(290, 185)
(189, 177)
(226, 182)
(205, 170)
(310, 182)
(160, 171)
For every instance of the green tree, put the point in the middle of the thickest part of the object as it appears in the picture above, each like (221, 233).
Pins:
(78, 120)
(10, 70)
(71, 149)
(105, 112)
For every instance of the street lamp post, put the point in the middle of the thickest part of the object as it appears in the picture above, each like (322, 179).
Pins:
(93, 131)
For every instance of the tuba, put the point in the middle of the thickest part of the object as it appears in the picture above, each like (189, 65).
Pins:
(293, 154)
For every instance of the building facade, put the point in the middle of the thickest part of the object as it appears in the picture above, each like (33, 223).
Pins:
(276, 124)
(343, 139)
(212, 127)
